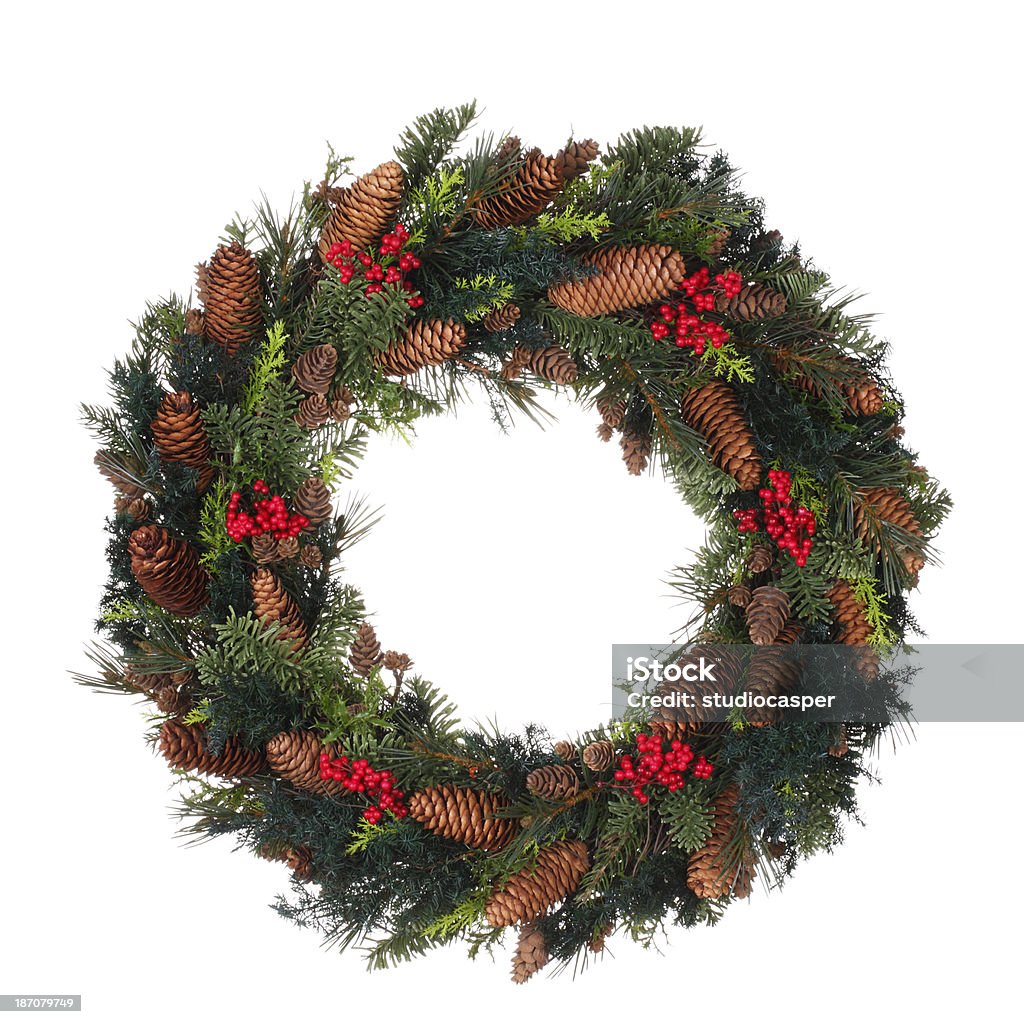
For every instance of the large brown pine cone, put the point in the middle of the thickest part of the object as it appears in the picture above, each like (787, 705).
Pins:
(852, 626)
(365, 210)
(424, 343)
(599, 755)
(530, 892)
(877, 505)
(185, 747)
(531, 954)
(523, 194)
(273, 604)
(502, 318)
(314, 369)
(766, 612)
(714, 411)
(553, 782)
(467, 816)
(313, 500)
(565, 749)
(365, 650)
(551, 363)
(117, 470)
(181, 437)
(295, 756)
(229, 288)
(264, 549)
(719, 866)
(168, 570)
(863, 395)
(627, 276)
(754, 302)
(770, 673)
(636, 449)
(682, 720)
(576, 158)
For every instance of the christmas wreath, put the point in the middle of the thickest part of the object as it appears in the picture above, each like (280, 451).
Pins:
(642, 282)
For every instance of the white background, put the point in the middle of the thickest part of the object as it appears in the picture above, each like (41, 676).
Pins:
(885, 138)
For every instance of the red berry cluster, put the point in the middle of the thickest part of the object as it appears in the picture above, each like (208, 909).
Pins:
(793, 530)
(691, 329)
(359, 777)
(659, 767)
(268, 515)
(391, 268)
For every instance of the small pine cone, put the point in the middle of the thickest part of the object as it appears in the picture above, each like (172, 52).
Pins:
(636, 449)
(553, 782)
(509, 150)
(313, 500)
(365, 650)
(841, 747)
(754, 302)
(340, 411)
(697, 716)
(739, 595)
(136, 509)
(612, 410)
(515, 364)
(229, 288)
(424, 343)
(300, 860)
(396, 661)
(577, 157)
(168, 570)
(714, 410)
(295, 757)
(314, 369)
(273, 604)
(852, 626)
(599, 755)
(877, 505)
(596, 944)
(502, 318)
(264, 549)
(766, 614)
(714, 870)
(311, 556)
(467, 816)
(552, 363)
(790, 633)
(627, 276)
(565, 749)
(365, 210)
(863, 395)
(288, 548)
(526, 895)
(760, 558)
(718, 244)
(114, 468)
(313, 412)
(195, 322)
(180, 436)
(523, 194)
(770, 673)
(531, 954)
(604, 432)
(185, 748)
(171, 699)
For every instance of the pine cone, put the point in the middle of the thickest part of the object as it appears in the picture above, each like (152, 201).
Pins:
(313, 412)
(264, 549)
(365, 650)
(718, 244)
(604, 432)
(576, 158)
(599, 755)
(552, 363)
(627, 276)
(760, 558)
(185, 747)
(770, 673)
(877, 505)
(180, 436)
(136, 509)
(841, 747)
(365, 210)
(273, 604)
(295, 757)
(313, 500)
(714, 870)
(530, 892)
(565, 749)
(596, 944)
(467, 816)
(509, 150)
(754, 302)
(636, 449)
(766, 614)
(612, 410)
(513, 367)
(396, 661)
(287, 548)
(300, 860)
(553, 782)
(863, 395)
(852, 626)
(115, 468)
(424, 343)
(168, 570)
(195, 322)
(698, 717)
(229, 288)
(172, 700)
(523, 195)
(340, 410)
(715, 411)
(311, 556)
(739, 595)
(531, 954)
(502, 318)
(171, 691)
(314, 369)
